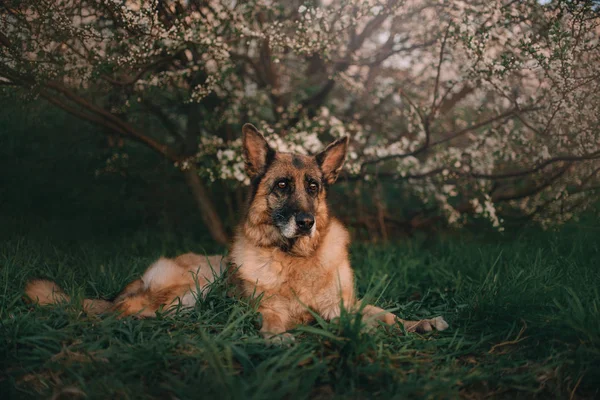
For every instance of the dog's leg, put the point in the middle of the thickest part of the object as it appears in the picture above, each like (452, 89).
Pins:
(43, 292)
(146, 302)
(132, 300)
(130, 290)
(137, 304)
(372, 314)
(275, 325)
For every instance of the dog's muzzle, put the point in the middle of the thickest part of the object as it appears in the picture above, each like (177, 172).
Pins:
(305, 222)
(301, 224)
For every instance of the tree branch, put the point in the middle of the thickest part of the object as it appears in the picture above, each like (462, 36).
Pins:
(448, 138)
(516, 195)
(119, 125)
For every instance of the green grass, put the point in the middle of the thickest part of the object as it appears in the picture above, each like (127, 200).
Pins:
(524, 314)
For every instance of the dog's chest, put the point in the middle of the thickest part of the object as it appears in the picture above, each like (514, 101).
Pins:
(272, 273)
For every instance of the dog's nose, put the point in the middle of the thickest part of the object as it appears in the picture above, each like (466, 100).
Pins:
(305, 221)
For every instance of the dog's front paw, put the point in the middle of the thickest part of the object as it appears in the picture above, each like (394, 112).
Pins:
(426, 325)
(282, 339)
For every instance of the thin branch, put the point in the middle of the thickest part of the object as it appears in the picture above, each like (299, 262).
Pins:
(438, 73)
(448, 138)
(499, 176)
(259, 76)
(120, 125)
(140, 73)
(528, 171)
(533, 189)
(163, 117)
(481, 124)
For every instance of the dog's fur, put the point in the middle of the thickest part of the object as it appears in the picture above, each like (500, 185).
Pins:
(288, 250)
(166, 282)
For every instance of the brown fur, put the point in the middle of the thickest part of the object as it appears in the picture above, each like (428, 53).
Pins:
(165, 283)
(293, 270)
(258, 226)
(45, 292)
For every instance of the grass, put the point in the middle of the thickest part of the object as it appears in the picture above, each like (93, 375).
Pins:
(524, 314)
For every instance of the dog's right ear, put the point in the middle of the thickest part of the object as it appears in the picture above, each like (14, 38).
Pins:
(257, 152)
(332, 159)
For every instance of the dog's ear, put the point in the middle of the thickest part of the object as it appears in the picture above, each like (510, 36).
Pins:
(332, 159)
(257, 152)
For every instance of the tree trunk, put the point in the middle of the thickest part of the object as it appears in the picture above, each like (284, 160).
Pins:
(205, 205)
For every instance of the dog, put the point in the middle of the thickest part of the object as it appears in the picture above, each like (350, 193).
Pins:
(288, 250)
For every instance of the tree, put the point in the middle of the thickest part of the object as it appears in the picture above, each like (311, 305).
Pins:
(481, 108)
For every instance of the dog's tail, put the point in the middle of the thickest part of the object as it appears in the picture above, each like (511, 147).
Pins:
(45, 292)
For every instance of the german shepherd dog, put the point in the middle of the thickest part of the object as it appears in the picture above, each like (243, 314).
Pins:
(288, 249)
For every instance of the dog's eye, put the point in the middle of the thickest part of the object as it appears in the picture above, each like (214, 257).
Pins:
(313, 187)
(282, 184)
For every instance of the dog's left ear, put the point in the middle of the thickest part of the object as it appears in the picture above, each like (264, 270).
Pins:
(332, 159)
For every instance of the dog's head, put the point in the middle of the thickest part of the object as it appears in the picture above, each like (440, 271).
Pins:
(288, 201)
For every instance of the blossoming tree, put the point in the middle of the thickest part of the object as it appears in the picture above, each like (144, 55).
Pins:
(476, 108)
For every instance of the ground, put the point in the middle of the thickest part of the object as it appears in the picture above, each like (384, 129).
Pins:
(524, 313)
